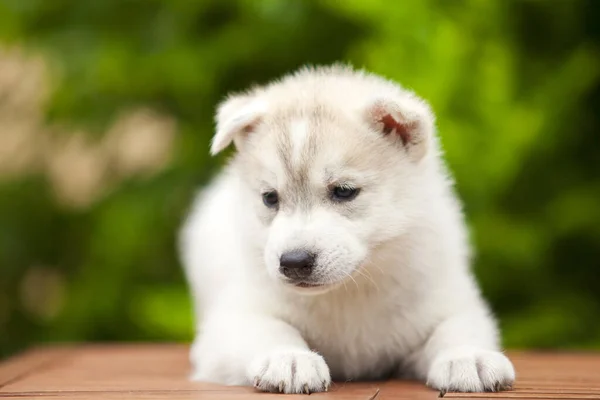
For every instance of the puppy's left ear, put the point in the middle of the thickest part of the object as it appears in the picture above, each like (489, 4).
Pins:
(237, 116)
(407, 121)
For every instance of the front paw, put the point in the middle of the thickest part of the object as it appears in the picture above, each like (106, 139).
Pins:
(292, 371)
(471, 370)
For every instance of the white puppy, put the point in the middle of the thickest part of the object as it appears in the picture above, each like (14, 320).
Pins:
(332, 246)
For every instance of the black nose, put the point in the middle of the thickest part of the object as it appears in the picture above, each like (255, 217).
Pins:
(297, 264)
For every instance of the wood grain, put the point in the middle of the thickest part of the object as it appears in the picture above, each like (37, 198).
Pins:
(159, 371)
(18, 367)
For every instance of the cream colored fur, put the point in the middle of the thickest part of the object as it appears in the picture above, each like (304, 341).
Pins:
(397, 295)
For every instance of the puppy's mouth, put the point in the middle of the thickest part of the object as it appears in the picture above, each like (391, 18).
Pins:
(308, 285)
(310, 289)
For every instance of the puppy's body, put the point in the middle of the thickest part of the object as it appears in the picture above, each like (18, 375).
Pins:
(387, 291)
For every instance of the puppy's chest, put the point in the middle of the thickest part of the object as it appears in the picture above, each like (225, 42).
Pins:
(360, 336)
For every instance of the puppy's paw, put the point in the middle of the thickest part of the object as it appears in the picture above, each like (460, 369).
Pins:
(471, 370)
(292, 371)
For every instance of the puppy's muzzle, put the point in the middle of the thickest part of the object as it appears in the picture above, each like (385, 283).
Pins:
(297, 265)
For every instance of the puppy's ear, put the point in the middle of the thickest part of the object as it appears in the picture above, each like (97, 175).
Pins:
(407, 121)
(236, 117)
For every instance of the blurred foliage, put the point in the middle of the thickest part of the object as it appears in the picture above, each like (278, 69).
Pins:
(516, 89)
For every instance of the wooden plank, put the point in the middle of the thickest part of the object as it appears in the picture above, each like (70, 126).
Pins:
(156, 371)
(549, 375)
(198, 396)
(357, 394)
(151, 369)
(110, 368)
(20, 366)
(541, 397)
(519, 395)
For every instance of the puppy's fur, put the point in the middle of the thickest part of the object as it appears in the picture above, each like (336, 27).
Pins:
(390, 293)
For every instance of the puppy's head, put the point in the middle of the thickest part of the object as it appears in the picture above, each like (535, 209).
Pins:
(332, 162)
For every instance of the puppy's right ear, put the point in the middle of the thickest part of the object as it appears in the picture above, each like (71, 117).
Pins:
(236, 117)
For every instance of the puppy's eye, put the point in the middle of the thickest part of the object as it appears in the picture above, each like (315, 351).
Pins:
(344, 193)
(271, 199)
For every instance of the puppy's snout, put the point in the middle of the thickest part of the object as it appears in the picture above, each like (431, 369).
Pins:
(297, 264)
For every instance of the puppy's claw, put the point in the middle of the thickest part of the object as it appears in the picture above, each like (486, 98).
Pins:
(298, 372)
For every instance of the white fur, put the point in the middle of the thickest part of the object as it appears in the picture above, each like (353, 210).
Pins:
(399, 296)
(298, 133)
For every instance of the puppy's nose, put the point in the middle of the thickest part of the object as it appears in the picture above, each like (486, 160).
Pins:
(297, 264)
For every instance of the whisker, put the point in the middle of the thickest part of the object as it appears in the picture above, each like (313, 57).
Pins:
(367, 275)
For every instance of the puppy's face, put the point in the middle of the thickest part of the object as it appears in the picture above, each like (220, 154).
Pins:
(328, 188)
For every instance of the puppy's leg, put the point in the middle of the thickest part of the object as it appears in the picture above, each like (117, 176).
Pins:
(462, 356)
(244, 349)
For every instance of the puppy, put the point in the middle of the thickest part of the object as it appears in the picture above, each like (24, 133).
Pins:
(332, 246)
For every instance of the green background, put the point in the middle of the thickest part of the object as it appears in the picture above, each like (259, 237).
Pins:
(516, 89)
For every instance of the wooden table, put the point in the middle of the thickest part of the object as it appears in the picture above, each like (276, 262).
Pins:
(160, 372)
